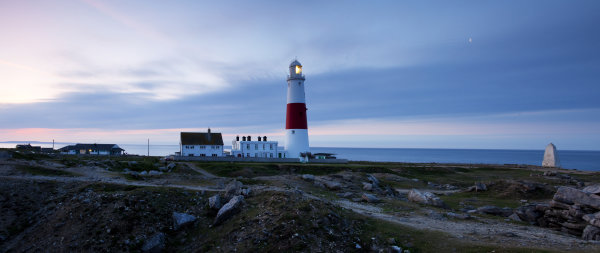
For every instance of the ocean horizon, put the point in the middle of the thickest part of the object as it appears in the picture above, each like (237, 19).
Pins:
(588, 160)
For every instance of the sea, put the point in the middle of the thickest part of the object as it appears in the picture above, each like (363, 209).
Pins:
(569, 159)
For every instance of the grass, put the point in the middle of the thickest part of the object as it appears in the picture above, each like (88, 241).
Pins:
(36, 170)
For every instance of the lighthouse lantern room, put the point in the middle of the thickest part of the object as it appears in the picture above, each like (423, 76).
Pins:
(296, 128)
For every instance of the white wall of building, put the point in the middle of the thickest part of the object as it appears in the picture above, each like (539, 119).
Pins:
(266, 149)
(202, 150)
(296, 142)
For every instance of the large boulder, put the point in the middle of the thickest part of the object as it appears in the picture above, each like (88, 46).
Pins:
(214, 202)
(367, 186)
(232, 207)
(571, 196)
(426, 198)
(171, 166)
(494, 210)
(182, 219)
(154, 244)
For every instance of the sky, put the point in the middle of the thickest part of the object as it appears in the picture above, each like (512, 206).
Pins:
(388, 74)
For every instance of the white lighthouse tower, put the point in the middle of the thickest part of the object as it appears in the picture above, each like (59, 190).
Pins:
(296, 128)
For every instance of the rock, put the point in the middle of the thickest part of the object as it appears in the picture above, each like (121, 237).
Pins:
(426, 198)
(332, 185)
(479, 186)
(345, 194)
(171, 166)
(549, 173)
(591, 233)
(591, 216)
(155, 243)
(515, 217)
(163, 169)
(395, 249)
(494, 210)
(529, 213)
(246, 192)
(592, 189)
(229, 209)
(373, 180)
(132, 163)
(570, 196)
(233, 188)
(154, 173)
(182, 219)
(367, 186)
(214, 202)
(143, 173)
(308, 177)
(370, 198)
(458, 216)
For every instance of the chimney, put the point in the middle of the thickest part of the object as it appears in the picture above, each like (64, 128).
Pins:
(265, 138)
(249, 138)
(243, 138)
(237, 138)
(209, 130)
(259, 138)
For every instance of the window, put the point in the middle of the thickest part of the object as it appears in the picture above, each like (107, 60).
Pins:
(247, 154)
(263, 146)
(271, 145)
(202, 155)
(293, 131)
(202, 147)
(214, 154)
(255, 154)
(247, 146)
(191, 155)
(256, 146)
(271, 155)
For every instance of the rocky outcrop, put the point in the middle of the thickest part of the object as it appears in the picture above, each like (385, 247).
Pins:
(232, 207)
(426, 198)
(479, 186)
(572, 211)
(232, 189)
(182, 219)
(592, 189)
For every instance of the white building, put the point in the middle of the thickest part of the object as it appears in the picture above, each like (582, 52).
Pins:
(246, 147)
(201, 144)
(91, 149)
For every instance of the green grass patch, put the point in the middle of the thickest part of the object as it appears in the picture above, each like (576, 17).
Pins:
(36, 170)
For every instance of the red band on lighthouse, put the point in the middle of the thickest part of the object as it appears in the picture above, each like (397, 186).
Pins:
(296, 116)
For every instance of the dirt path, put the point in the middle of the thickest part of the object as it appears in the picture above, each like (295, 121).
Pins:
(201, 171)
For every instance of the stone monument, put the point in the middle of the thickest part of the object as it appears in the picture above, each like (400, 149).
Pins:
(550, 157)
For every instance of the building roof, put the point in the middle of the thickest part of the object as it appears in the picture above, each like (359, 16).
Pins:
(189, 138)
(295, 63)
(94, 146)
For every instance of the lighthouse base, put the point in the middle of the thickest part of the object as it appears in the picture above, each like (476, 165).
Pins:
(296, 142)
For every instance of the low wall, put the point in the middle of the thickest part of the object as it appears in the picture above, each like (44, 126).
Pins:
(254, 159)
(236, 159)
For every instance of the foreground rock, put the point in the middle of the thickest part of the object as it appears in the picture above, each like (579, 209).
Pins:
(232, 189)
(426, 198)
(182, 219)
(308, 177)
(332, 185)
(370, 198)
(494, 210)
(155, 243)
(214, 202)
(232, 207)
(479, 186)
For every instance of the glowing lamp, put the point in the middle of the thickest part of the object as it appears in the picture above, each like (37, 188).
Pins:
(298, 69)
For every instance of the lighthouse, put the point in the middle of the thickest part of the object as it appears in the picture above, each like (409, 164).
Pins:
(296, 128)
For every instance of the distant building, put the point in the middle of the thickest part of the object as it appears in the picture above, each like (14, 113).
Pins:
(28, 147)
(246, 147)
(324, 156)
(201, 144)
(92, 149)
